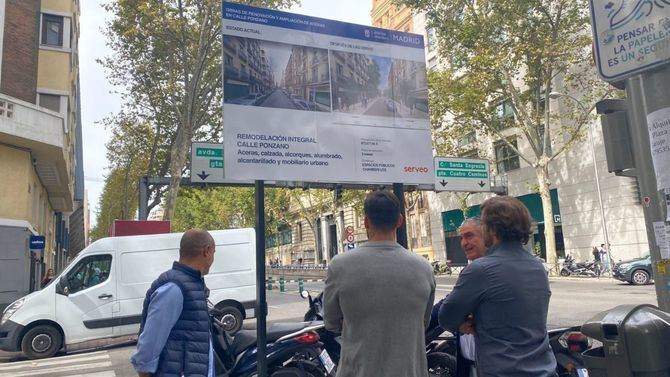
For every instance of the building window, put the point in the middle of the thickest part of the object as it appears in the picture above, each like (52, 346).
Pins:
(504, 115)
(50, 101)
(468, 139)
(414, 231)
(471, 153)
(299, 232)
(431, 39)
(423, 222)
(506, 158)
(52, 30)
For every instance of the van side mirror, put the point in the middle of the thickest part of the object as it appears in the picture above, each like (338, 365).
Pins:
(62, 288)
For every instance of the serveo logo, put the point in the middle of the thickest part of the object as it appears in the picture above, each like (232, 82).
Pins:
(416, 169)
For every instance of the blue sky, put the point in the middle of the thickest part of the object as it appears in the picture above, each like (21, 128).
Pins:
(99, 101)
(384, 68)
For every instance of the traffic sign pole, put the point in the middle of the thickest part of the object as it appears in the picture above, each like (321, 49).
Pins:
(647, 93)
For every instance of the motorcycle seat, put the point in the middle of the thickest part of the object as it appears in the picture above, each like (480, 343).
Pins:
(246, 338)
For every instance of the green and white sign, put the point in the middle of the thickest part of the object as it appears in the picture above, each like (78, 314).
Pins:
(462, 174)
(207, 162)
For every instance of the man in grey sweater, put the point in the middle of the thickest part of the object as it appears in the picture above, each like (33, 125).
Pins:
(507, 293)
(379, 296)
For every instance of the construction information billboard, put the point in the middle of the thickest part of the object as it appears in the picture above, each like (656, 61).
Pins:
(315, 100)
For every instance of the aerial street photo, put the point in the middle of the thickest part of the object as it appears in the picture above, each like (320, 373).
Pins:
(378, 86)
(277, 75)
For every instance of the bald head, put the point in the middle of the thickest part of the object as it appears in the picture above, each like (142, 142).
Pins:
(193, 242)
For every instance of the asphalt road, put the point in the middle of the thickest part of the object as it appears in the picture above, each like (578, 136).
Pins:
(573, 302)
(379, 108)
(278, 99)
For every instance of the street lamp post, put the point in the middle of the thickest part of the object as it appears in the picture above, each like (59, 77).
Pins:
(556, 95)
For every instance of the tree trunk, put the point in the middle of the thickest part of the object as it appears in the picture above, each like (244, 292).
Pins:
(178, 154)
(542, 172)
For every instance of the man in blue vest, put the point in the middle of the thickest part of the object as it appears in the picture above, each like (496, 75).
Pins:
(175, 338)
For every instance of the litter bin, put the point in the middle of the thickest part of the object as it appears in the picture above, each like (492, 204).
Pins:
(636, 342)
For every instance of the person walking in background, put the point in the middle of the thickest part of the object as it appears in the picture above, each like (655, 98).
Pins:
(379, 296)
(503, 298)
(597, 261)
(175, 337)
(48, 277)
(604, 258)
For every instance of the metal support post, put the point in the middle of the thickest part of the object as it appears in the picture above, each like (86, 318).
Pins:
(261, 305)
(647, 93)
(401, 233)
(142, 205)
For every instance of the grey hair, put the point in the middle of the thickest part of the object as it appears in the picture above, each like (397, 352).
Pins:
(474, 220)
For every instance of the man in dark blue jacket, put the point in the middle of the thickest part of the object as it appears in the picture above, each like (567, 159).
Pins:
(507, 292)
(175, 338)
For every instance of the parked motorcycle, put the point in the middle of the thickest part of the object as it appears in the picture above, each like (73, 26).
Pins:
(293, 350)
(440, 268)
(572, 268)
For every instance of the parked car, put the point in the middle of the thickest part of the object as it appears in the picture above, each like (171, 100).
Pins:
(634, 271)
(249, 99)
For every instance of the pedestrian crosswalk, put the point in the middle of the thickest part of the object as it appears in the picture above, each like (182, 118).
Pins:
(93, 364)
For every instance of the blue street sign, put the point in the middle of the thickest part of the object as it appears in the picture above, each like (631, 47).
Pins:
(351, 246)
(37, 242)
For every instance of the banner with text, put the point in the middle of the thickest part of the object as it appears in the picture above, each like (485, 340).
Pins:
(315, 100)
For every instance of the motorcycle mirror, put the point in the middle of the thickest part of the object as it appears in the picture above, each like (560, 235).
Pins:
(304, 294)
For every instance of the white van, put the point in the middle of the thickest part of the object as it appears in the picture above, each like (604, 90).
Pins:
(97, 300)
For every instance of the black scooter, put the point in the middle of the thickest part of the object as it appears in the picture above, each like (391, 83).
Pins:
(570, 268)
(293, 350)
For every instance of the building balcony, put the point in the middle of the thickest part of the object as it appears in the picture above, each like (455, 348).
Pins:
(231, 72)
(45, 133)
(228, 43)
(242, 55)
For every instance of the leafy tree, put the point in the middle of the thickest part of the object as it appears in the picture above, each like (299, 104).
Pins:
(228, 207)
(510, 55)
(167, 58)
(127, 153)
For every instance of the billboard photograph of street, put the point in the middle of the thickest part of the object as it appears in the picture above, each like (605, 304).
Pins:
(378, 86)
(276, 75)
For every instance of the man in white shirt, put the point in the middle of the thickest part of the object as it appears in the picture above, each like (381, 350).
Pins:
(471, 237)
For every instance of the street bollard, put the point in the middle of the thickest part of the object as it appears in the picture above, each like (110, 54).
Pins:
(301, 285)
(281, 284)
(270, 283)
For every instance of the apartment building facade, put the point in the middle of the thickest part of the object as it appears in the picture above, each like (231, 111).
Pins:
(579, 203)
(247, 69)
(306, 75)
(386, 14)
(42, 193)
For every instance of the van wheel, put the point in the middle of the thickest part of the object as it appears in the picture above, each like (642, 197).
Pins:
(41, 342)
(231, 318)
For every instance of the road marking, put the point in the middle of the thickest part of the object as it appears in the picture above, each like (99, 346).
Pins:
(103, 355)
(107, 373)
(105, 364)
